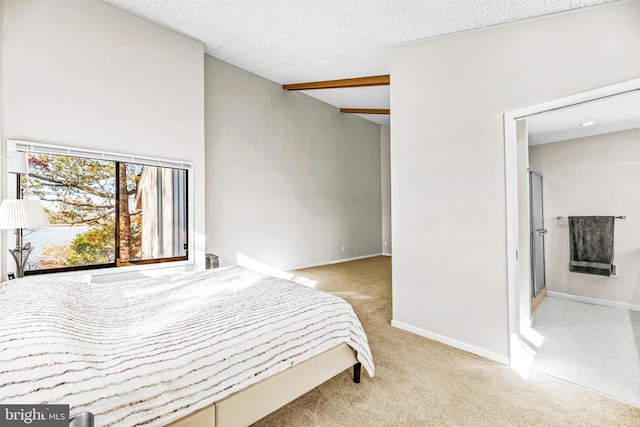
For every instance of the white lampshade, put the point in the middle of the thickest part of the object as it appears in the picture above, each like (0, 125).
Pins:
(17, 162)
(21, 213)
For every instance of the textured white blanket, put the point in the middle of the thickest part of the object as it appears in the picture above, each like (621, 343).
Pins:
(147, 352)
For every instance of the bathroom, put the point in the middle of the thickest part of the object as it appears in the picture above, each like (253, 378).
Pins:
(589, 324)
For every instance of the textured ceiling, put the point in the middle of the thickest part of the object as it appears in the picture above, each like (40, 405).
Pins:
(300, 41)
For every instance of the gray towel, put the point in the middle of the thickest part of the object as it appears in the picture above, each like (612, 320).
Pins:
(591, 244)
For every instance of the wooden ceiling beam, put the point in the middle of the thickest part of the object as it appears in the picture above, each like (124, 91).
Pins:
(365, 110)
(342, 83)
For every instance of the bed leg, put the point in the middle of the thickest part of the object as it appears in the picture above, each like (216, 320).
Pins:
(356, 372)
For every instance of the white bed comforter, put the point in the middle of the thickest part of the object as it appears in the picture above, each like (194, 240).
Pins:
(147, 352)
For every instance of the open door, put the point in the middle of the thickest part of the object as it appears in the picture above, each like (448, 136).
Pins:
(538, 284)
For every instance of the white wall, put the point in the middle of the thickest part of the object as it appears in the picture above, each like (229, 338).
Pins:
(84, 73)
(598, 175)
(3, 147)
(448, 160)
(290, 180)
(385, 154)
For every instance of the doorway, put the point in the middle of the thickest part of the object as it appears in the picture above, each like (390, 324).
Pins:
(521, 291)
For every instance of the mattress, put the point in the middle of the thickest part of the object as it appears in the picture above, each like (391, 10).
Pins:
(150, 351)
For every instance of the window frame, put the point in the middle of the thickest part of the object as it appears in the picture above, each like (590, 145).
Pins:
(116, 266)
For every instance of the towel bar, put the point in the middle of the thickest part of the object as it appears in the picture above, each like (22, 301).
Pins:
(617, 217)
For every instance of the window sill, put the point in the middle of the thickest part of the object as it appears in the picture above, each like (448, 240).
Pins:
(125, 273)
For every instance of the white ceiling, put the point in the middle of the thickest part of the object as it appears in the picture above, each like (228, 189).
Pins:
(611, 114)
(302, 41)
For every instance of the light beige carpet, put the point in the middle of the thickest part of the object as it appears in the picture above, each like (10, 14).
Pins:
(420, 382)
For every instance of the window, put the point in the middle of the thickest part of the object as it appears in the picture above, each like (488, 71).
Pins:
(104, 212)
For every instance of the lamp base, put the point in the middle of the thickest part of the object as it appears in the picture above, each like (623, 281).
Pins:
(20, 256)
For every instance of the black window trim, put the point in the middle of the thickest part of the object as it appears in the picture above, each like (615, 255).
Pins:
(31, 147)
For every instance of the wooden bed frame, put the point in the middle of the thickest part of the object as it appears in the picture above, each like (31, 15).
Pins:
(259, 400)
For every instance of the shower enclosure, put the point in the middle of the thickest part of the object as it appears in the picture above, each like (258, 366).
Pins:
(537, 234)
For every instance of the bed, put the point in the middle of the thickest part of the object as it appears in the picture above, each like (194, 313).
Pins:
(221, 347)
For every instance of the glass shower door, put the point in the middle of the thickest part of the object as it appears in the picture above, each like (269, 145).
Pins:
(537, 233)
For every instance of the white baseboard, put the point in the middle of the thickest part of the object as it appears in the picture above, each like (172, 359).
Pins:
(452, 342)
(597, 301)
(338, 261)
(386, 254)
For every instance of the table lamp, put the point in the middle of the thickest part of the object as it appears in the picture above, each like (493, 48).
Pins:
(19, 214)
